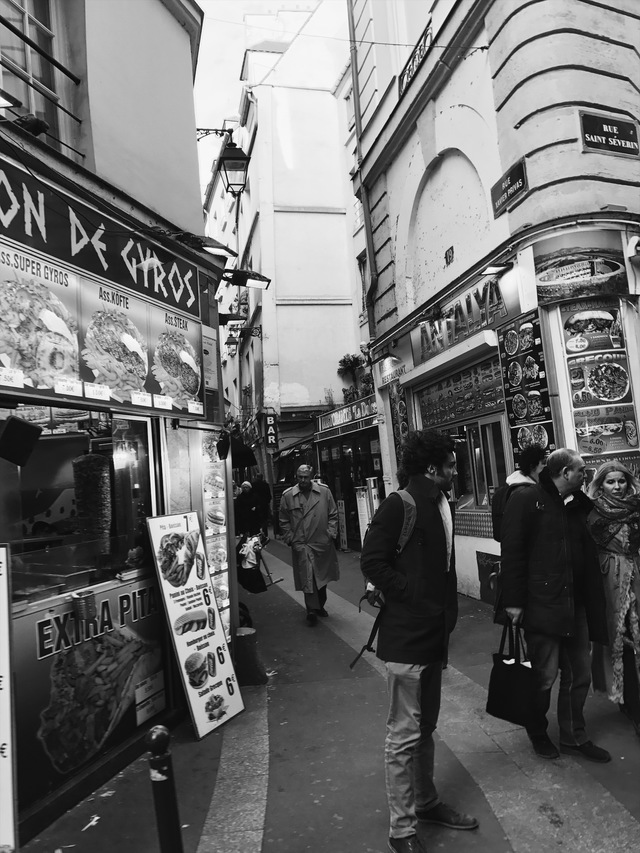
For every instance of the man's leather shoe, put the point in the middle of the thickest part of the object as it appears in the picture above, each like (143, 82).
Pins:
(312, 619)
(410, 844)
(444, 815)
(322, 612)
(544, 746)
(587, 750)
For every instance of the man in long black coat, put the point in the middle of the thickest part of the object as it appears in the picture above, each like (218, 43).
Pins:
(420, 611)
(551, 583)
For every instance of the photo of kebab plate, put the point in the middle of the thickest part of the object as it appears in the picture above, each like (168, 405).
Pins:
(177, 555)
(608, 381)
(93, 684)
(115, 352)
(38, 335)
(177, 368)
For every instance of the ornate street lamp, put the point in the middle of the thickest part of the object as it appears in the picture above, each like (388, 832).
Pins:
(232, 163)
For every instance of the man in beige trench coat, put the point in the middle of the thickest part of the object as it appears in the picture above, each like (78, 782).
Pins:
(309, 524)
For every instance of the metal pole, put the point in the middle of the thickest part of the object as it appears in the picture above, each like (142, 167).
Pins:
(164, 790)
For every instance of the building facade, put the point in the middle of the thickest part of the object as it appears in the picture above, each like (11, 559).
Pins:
(293, 224)
(109, 415)
(499, 170)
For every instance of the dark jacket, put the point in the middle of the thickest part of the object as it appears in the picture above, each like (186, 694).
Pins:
(542, 535)
(247, 513)
(421, 595)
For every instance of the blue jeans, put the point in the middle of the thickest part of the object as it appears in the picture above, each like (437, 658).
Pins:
(572, 657)
(414, 705)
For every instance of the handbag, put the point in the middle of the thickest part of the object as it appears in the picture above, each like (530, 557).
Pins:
(512, 683)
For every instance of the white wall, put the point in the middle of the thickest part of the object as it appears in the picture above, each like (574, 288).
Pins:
(140, 86)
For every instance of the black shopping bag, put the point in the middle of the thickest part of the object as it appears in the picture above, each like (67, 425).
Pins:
(512, 683)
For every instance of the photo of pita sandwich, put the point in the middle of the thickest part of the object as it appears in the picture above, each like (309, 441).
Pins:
(92, 686)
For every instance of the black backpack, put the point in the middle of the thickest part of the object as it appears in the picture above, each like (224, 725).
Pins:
(498, 504)
(372, 595)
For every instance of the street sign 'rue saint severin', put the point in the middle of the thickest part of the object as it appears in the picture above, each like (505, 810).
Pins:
(609, 135)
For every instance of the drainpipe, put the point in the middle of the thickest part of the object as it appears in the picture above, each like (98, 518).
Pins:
(364, 195)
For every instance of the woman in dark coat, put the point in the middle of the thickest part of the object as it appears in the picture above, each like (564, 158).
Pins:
(614, 524)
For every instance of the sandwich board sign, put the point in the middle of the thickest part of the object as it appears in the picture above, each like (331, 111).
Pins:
(197, 632)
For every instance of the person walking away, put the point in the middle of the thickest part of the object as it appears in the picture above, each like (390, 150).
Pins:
(308, 519)
(262, 490)
(246, 511)
(614, 524)
(551, 583)
(420, 593)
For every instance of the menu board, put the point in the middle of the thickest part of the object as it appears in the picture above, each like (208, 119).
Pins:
(599, 377)
(68, 338)
(8, 834)
(471, 392)
(215, 526)
(525, 384)
(399, 415)
(196, 631)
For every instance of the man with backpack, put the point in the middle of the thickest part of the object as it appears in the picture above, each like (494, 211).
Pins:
(419, 587)
(531, 462)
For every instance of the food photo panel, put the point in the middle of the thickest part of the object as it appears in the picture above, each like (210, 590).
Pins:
(115, 348)
(176, 362)
(39, 345)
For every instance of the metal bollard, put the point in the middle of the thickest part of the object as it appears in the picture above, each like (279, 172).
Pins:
(164, 790)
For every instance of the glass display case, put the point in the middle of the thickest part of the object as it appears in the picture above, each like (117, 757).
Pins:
(75, 512)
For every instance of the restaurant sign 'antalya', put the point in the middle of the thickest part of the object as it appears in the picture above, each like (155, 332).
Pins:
(485, 305)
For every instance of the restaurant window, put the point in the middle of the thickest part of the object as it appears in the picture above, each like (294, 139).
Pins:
(481, 462)
(468, 405)
(76, 510)
(25, 73)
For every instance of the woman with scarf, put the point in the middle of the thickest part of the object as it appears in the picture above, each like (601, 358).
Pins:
(614, 524)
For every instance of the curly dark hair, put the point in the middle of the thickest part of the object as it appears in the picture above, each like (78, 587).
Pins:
(423, 448)
(531, 457)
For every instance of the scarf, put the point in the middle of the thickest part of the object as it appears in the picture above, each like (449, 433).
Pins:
(614, 513)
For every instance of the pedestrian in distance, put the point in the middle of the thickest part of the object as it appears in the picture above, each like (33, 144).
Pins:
(262, 491)
(309, 524)
(552, 585)
(246, 511)
(614, 524)
(419, 612)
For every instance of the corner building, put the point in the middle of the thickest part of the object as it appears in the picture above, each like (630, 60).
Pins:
(499, 171)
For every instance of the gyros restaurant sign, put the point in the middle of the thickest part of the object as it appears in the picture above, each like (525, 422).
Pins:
(56, 224)
(485, 305)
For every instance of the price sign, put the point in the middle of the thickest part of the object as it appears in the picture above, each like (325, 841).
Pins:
(195, 626)
(8, 823)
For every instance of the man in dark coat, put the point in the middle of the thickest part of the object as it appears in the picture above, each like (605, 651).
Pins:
(247, 511)
(262, 491)
(420, 610)
(551, 583)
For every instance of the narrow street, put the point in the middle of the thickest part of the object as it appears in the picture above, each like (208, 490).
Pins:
(301, 769)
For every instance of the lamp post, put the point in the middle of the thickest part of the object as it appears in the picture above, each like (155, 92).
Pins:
(232, 163)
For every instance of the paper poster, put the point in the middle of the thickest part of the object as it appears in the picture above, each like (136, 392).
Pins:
(599, 377)
(215, 526)
(476, 390)
(195, 625)
(525, 384)
(8, 837)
